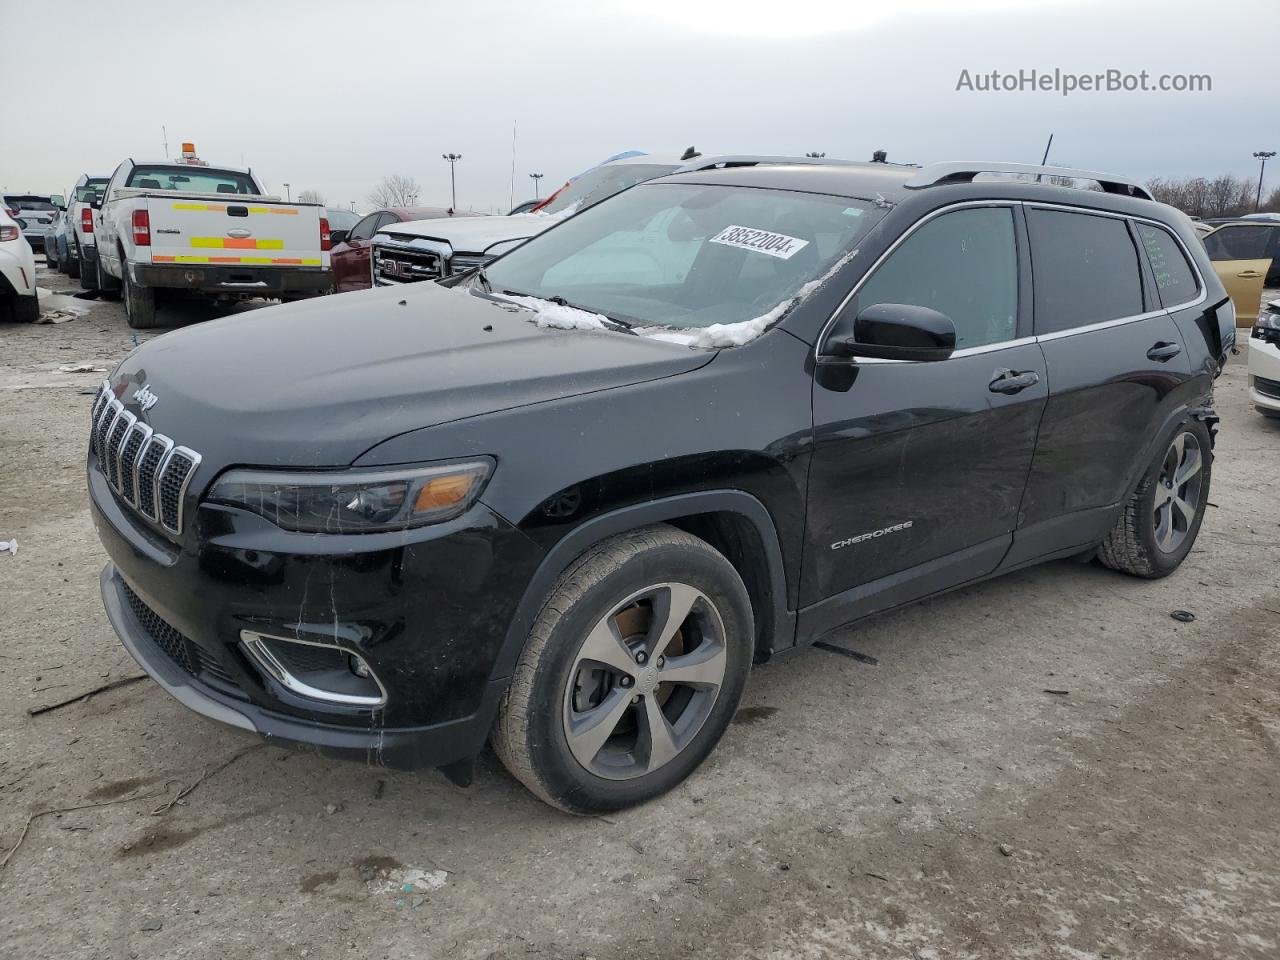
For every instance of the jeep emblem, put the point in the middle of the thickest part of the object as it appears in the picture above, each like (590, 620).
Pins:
(144, 398)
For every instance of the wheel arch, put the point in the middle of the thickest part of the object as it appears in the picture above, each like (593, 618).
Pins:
(732, 521)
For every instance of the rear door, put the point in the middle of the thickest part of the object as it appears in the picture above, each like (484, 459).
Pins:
(1115, 359)
(918, 468)
(1244, 254)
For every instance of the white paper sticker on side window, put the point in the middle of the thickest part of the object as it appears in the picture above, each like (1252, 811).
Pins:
(761, 241)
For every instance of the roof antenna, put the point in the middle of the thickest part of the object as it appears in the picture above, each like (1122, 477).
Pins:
(1045, 158)
(690, 153)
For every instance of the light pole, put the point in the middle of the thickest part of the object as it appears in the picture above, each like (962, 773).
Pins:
(453, 159)
(1263, 156)
(287, 197)
(535, 177)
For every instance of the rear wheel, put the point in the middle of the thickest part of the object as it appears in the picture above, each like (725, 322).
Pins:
(26, 309)
(139, 303)
(1158, 526)
(631, 673)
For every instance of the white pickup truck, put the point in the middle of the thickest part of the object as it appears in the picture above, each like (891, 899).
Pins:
(184, 225)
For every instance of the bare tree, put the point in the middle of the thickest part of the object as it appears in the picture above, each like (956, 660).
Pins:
(311, 196)
(395, 190)
(1224, 196)
(1271, 203)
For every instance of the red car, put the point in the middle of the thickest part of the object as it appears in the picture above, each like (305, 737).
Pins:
(350, 251)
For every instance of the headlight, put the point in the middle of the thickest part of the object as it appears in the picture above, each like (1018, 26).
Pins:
(355, 501)
(1267, 321)
(461, 263)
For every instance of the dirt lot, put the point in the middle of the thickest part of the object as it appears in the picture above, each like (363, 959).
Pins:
(1043, 766)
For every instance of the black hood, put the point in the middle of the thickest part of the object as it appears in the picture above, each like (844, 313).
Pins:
(317, 383)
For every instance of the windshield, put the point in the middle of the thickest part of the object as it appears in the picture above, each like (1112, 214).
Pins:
(601, 182)
(191, 179)
(687, 255)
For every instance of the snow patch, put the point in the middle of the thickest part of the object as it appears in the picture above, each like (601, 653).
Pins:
(548, 314)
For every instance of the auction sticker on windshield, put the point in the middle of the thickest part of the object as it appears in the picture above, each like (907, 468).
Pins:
(761, 241)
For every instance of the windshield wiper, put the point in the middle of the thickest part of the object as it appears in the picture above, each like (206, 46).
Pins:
(562, 302)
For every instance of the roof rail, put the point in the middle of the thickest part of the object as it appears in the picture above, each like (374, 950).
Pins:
(752, 160)
(961, 171)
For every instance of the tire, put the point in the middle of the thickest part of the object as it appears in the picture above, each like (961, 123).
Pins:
(51, 259)
(139, 303)
(1142, 543)
(557, 687)
(107, 284)
(26, 309)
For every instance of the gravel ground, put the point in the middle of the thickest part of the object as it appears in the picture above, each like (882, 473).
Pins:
(1043, 766)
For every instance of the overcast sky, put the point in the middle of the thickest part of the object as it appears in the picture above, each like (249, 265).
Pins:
(331, 96)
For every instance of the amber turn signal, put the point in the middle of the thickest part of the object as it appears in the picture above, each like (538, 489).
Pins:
(443, 492)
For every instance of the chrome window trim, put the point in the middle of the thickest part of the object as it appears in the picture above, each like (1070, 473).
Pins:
(261, 654)
(819, 357)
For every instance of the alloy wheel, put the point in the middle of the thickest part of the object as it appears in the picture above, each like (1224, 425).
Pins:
(1178, 491)
(644, 681)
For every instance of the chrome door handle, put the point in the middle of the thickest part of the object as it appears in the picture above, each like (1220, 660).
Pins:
(1013, 381)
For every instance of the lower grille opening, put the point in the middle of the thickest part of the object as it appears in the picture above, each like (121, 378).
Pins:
(191, 657)
(1268, 388)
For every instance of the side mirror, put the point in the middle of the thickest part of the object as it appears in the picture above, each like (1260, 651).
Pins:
(337, 236)
(893, 331)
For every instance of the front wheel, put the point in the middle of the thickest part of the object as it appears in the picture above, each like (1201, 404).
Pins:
(631, 673)
(1157, 527)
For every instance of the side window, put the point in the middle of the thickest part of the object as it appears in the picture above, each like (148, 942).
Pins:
(1175, 280)
(382, 221)
(1085, 269)
(1238, 242)
(963, 264)
(364, 229)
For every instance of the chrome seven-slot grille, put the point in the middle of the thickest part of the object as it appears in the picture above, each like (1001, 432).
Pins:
(144, 468)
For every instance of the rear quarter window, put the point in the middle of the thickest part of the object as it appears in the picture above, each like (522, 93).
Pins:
(1175, 280)
(1085, 269)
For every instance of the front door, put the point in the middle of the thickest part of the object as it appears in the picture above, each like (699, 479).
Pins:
(350, 259)
(1247, 258)
(918, 468)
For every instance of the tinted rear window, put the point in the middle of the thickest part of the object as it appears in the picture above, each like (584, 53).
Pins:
(1175, 280)
(1085, 269)
(191, 179)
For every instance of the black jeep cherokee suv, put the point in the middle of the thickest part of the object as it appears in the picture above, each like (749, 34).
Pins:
(563, 503)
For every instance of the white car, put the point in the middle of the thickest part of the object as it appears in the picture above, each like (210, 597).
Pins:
(1264, 361)
(18, 299)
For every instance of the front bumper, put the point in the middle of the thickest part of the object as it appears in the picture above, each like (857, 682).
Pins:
(243, 280)
(427, 610)
(1264, 374)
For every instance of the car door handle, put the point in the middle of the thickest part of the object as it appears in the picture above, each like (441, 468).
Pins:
(1164, 350)
(1012, 381)
(1249, 275)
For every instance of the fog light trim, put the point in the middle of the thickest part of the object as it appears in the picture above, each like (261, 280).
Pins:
(261, 654)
